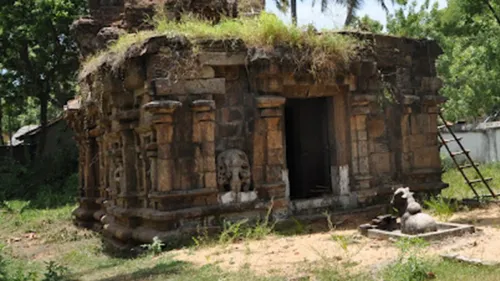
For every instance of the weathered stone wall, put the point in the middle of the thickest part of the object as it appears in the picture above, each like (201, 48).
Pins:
(175, 140)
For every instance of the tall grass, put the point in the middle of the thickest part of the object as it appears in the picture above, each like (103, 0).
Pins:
(319, 51)
(458, 187)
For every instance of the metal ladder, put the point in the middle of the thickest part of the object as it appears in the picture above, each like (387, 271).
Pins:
(470, 164)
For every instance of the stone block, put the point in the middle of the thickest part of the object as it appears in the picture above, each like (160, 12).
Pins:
(274, 139)
(275, 157)
(211, 180)
(360, 122)
(233, 129)
(259, 147)
(208, 131)
(273, 123)
(364, 166)
(208, 116)
(355, 165)
(196, 132)
(376, 128)
(190, 87)
(273, 173)
(378, 147)
(381, 163)
(164, 133)
(258, 174)
(433, 124)
(164, 175)
(165, 151)
(222, 58)
(208, 148)
(354, 149)
(271, 112)
(209, 164)
(362, 135)
(426, 157)
(362, 148)
(206, 72)
(417, 141)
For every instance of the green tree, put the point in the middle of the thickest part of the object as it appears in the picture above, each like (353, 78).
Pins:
(38, 51)
(470, 65)
(367, 24)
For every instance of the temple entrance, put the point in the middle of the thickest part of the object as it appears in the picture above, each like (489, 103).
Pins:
(307, 147)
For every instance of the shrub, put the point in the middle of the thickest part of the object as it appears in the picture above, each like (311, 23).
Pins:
(410, 265)
(441, 207)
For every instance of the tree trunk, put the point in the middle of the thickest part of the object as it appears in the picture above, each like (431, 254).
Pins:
(44, 101)
(294, 11)
(492, 10)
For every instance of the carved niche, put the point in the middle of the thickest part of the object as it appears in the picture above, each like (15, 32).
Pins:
(233, 171)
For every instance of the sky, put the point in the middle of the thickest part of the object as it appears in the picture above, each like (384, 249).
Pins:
(335, 16)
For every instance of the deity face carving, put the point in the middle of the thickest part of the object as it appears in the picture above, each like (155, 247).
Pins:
(233, 171)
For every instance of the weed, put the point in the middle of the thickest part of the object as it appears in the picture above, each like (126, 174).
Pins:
(15, 207)
(299, 227)
(55, 272)
(319, 54)
(410, 266)
(441, 207)
(155, 248)
(343, 241)
(331, 226)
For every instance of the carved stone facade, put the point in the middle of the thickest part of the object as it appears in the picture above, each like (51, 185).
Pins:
(162, 159)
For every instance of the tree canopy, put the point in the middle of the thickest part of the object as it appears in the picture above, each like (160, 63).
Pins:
(469, 33)
(39, 58)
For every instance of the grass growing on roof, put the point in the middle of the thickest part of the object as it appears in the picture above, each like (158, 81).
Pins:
(316, 51)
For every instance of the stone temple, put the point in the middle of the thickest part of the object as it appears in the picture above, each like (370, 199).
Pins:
(244, 133)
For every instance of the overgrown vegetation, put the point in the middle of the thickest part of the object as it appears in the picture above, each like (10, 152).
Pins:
(458, 187)
(46, 183)
(320, 54)
(242, 230)
(411, 265)
(441, 207)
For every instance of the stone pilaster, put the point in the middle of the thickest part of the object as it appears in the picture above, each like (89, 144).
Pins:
(362, 107)
(161, 171)
(269, 153)
(204, 140)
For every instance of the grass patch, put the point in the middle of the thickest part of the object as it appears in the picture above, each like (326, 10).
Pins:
(441, 207)
(320, 54)
(410, 265)
(83, 259)
(241, 230)
(459, 189)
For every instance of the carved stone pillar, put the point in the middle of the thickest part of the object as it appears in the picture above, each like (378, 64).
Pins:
(269, 152)
(204, 139)
(362, 107)
(163, 110)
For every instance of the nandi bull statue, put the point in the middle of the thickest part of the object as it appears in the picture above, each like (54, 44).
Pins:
(413, 221)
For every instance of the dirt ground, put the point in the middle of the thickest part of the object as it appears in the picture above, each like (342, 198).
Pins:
(288, 256)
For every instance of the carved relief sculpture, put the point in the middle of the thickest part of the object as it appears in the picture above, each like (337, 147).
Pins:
(233, 171)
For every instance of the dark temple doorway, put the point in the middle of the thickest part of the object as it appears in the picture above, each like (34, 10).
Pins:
(307, 147)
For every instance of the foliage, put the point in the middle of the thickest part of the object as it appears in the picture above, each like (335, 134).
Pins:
(155, 248)
(366, 24)
(47, 183)
(441, 207)
(317, 53)
(458, 187)
(410, 266)
(470, 65)
(55, 272)
(38, 52)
